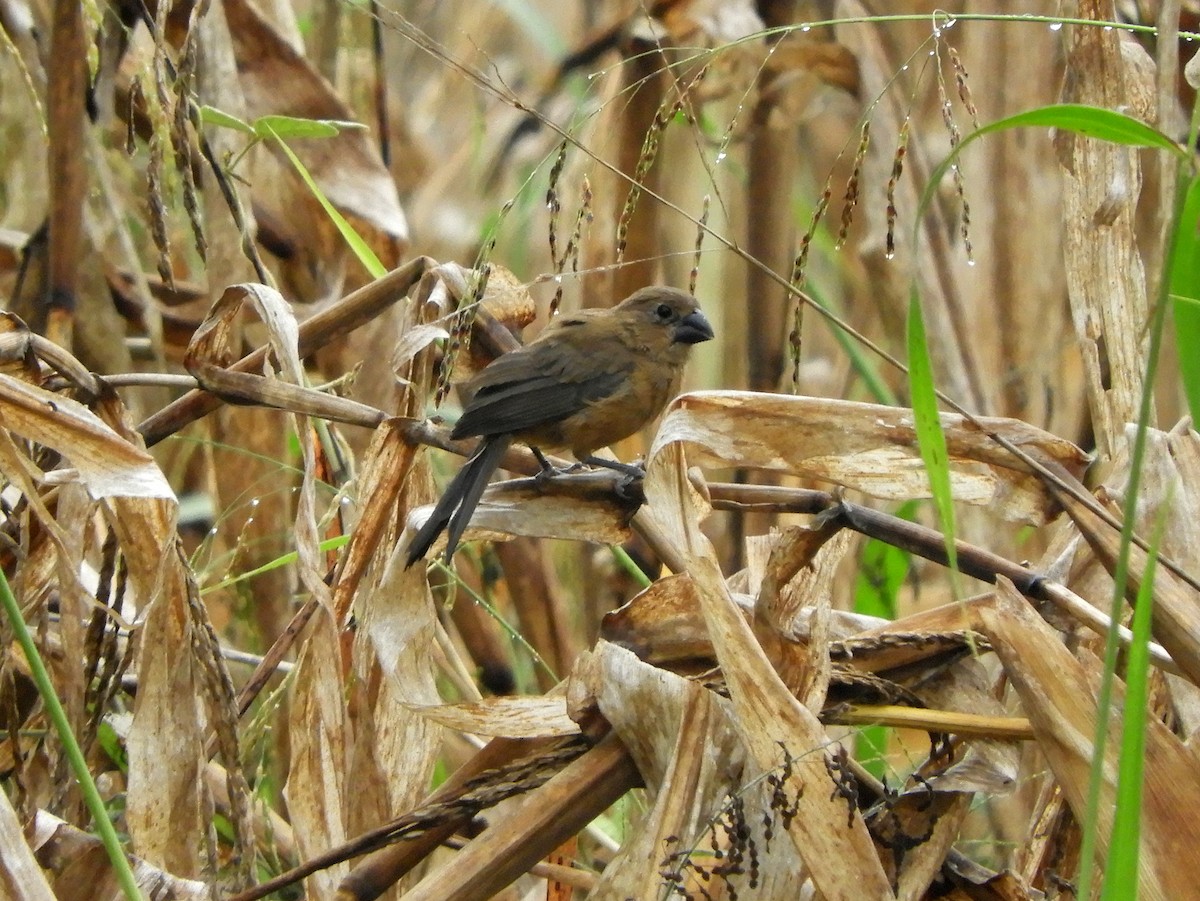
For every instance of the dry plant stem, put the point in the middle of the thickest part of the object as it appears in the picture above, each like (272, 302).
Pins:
(445, 812)
(951, 721)
(353, 311)
(274, 656)
(542, 821)
(66, 171)
(920, 540)
(385, 867)
(65, 364)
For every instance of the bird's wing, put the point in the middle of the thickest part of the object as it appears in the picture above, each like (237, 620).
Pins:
(540, 384)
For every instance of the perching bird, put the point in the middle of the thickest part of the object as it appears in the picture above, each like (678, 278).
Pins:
(588, 380)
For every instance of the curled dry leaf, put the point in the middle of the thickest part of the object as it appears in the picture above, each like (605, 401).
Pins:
(85, 873)
(107, 464)
(16, 349)
(664, 623)
(210, 357)
(798, 578)
(867, 447)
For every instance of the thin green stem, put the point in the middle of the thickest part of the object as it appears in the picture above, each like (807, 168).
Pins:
(58, 716)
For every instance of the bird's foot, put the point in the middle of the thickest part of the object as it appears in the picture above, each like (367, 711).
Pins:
(549, 470)
(632, 474)
(633, 471)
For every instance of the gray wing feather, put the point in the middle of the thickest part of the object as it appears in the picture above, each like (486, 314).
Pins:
(533, 387)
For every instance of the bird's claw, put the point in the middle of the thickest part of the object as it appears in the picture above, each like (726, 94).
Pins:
(548, 470)
(626, 486)
(632, 471)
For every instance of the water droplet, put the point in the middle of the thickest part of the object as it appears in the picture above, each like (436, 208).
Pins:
(971, 262)
(932, 53)
(721, 156)
(1056, 26)
(249, 521)
(212, 531)
(550, 205)
(904, 68)
(255, 501)
(558, 279)
(890, 255)
(806, 27)
(950, 23)
(1108, 28)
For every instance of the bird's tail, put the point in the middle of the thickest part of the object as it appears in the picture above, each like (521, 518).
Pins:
(459, 500)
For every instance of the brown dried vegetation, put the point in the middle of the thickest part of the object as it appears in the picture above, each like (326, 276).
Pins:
(214, 433)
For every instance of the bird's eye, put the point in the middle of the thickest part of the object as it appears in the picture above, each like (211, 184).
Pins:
(663, 311)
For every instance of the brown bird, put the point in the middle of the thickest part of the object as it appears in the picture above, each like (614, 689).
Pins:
(588, 380)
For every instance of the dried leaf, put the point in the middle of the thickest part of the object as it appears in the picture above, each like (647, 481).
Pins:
(318, 791)
(527, 717)
(107, 464)
(828, 833)
(1058, 693)
(685, 749)
(21, 877)
(867, 447)
(277, 80)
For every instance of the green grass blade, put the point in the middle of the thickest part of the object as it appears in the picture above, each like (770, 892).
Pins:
(289, 127)
(1185, 296)
(1121, 873)
(58, 717)
(928, 424)
(365, 255)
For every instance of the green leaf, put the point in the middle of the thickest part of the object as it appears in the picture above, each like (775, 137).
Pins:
(1091, 121)
(928, 425)
(210, 115)
(365, 255)
(292, 127)
(286, 126)
(1185, 295)
(111, 744)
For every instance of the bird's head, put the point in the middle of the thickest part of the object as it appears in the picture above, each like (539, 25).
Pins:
(669, 308)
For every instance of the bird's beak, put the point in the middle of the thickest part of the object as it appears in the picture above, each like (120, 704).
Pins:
(693, 328)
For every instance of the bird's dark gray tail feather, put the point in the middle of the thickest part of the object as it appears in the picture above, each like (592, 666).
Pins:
(459, 500)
